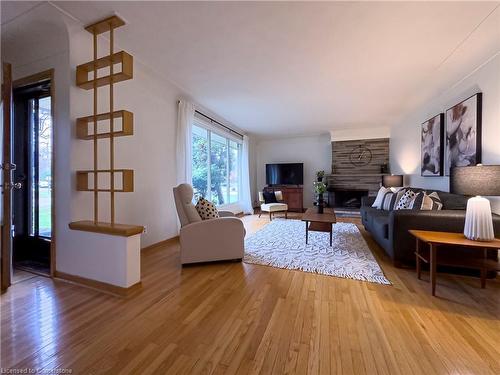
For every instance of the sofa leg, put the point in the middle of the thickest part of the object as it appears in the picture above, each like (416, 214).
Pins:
(260, 213)
(270, 216)
(286, 214)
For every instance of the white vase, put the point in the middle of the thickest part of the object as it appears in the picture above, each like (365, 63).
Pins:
(478, 220)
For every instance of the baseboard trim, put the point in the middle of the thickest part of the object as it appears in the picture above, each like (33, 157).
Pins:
(156, 245)
(98, 285)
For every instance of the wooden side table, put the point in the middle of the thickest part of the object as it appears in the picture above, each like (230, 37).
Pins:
(439, 239)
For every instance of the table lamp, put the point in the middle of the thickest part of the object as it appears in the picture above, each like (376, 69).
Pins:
(393, 180)
(477, 180)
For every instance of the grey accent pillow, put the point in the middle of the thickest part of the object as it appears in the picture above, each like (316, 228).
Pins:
(206, 209)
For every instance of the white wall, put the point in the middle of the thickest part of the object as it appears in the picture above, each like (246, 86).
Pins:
(42, 39)
(405, 135)
(314, 151)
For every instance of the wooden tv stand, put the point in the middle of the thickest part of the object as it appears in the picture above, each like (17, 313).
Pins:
(293, 196)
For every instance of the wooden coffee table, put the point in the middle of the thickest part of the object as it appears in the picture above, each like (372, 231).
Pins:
(436, 240)
(319, 222)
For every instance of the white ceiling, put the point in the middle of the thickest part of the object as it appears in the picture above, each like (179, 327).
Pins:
(302, 68)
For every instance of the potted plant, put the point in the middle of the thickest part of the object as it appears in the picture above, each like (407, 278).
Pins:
(320, 175)
(320, 189)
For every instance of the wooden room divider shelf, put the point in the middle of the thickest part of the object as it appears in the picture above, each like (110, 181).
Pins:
(127, 180)
(123, 58)
(87, 77)
(127, 118)
(107, 228)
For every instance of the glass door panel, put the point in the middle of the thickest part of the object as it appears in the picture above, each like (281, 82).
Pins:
(40, 171)
(44, 173)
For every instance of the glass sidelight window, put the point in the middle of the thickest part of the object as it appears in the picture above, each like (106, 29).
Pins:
(40, 172)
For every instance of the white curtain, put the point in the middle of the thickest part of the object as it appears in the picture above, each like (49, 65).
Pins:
(246, 197)
(184, 155)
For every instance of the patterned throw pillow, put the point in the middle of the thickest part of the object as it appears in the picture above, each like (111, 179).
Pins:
(206, 209)
(391, 198)
(406, 201)
(427, 202)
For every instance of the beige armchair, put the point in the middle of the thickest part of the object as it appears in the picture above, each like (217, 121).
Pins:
(207, 240)
(272, 208)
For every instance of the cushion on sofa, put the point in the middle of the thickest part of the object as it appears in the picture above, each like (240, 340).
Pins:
(453, 201)
(427, 202)
(380, 197)
(406, 201)
(391, 198)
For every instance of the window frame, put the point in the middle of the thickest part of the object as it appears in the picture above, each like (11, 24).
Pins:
(210, 128)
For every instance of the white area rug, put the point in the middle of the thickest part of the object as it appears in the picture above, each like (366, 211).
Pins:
(282, 244)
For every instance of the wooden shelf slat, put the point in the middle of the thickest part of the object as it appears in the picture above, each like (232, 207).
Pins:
(82, 180)
(83, 70)
(124, 230)
(82, 128)
(105, 25)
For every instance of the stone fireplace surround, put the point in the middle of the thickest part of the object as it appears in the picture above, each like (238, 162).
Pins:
(348, 182)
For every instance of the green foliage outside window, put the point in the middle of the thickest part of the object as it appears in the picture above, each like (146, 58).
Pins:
(223, 183)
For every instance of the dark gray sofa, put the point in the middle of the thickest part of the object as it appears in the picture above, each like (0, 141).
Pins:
(390, 228)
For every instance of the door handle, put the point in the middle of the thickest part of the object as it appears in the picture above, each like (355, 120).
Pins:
(8, 166)
(13, 185)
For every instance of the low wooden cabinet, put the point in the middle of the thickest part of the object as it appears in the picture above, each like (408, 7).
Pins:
(292, 196)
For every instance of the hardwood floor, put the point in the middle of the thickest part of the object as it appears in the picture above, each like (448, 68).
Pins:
(241, 318)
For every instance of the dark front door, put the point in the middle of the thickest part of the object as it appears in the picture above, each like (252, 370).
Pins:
(6, 178)
(32, 154)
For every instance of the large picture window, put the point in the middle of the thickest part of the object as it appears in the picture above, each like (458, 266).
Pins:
(216, 166)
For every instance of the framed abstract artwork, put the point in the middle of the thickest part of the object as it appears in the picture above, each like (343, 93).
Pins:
(432, 146)
(463, 133)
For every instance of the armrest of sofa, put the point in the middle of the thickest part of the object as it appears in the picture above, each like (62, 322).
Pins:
(214, 239)
(367, 201)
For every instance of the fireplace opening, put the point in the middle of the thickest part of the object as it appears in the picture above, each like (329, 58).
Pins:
(346, 198)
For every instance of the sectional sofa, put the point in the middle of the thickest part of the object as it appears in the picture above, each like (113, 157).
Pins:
(390, 228)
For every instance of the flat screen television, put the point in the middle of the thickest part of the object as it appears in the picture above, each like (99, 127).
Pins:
(285, 174)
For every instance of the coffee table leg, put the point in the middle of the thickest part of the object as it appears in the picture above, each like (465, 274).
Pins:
(419, 270)
(433, 268)
(331, 230)
(307, 231)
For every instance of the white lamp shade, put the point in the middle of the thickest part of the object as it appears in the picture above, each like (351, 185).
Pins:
(478, 220)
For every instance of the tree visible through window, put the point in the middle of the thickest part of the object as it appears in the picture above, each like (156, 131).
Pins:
(216, 164)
